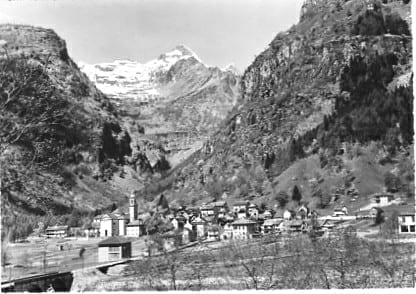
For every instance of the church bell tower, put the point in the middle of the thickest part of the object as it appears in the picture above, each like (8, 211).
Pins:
(132, 208)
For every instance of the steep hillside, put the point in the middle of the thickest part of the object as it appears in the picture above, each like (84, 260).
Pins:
(62, 145)
(321, 93)
(177, 99)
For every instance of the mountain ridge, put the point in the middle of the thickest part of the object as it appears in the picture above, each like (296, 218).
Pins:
(301, 98)
(175, 93)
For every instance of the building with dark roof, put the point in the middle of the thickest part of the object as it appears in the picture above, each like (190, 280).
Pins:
(406, 220)
(114, 248)
(243, 229)
(271, 225)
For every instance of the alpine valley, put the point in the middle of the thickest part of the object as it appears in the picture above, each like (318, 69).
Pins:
(176, 98)
(326, 108)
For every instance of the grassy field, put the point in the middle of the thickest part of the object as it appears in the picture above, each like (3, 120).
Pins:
(27, 258)
(339, 261)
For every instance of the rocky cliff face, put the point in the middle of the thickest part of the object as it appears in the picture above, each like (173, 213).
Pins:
(304, 95)
(62, 144)
(176, 98)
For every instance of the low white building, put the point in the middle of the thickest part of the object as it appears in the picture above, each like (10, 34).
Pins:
(383, 199)
(135, 228)
(407, 222)
(114, 248)
(57, 231)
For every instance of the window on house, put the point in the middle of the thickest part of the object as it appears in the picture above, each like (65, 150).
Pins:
(404, 229)
(413, 218)
(412, 228)
(403, 219)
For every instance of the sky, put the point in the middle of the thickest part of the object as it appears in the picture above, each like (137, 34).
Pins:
(221, 32)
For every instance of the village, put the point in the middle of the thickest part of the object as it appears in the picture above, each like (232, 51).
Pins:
(129, 233)
(218, 221)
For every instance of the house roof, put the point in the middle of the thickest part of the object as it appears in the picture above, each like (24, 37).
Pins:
(199, 220)
(119, 211)
(114, 240)
(243, 221)
(377, 195)
(56, 228)
(111, 216)
(207, 207)
(272, 222)
(406, 210)
(121, 216)
(219, 203)
(253, 205)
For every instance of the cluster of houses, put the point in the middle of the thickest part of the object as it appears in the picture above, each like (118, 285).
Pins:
(218, 221)
(212, 221)
(215, 221)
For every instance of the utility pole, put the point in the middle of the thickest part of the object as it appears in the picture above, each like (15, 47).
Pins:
(44, 263)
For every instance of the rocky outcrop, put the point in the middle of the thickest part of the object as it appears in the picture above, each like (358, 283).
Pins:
(288, 94)
(62, 144)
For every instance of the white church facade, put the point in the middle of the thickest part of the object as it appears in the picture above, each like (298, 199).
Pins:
(118, 223)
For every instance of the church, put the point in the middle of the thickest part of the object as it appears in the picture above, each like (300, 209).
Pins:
(118, 223)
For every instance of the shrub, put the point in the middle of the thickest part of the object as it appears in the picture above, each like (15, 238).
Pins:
(392, 182)
(395, 25)
(371, 23)
(282, 198)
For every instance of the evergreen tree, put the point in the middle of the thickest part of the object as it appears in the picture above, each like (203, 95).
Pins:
(379, 217)
(296, 195)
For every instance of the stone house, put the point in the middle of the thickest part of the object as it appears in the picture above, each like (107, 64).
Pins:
(253, 211)
(243, 229)
(213, 233)
(240, 209)
(136, 228)
(201, 224)
(208, 210)
(227, 232)
(271, 226)
(221, 208)
(298, 226)
(188, 236)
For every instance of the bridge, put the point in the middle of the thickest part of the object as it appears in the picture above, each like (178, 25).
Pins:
(59, 281)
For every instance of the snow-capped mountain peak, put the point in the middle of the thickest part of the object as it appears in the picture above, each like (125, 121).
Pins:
(232, 68)
(134, 80)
